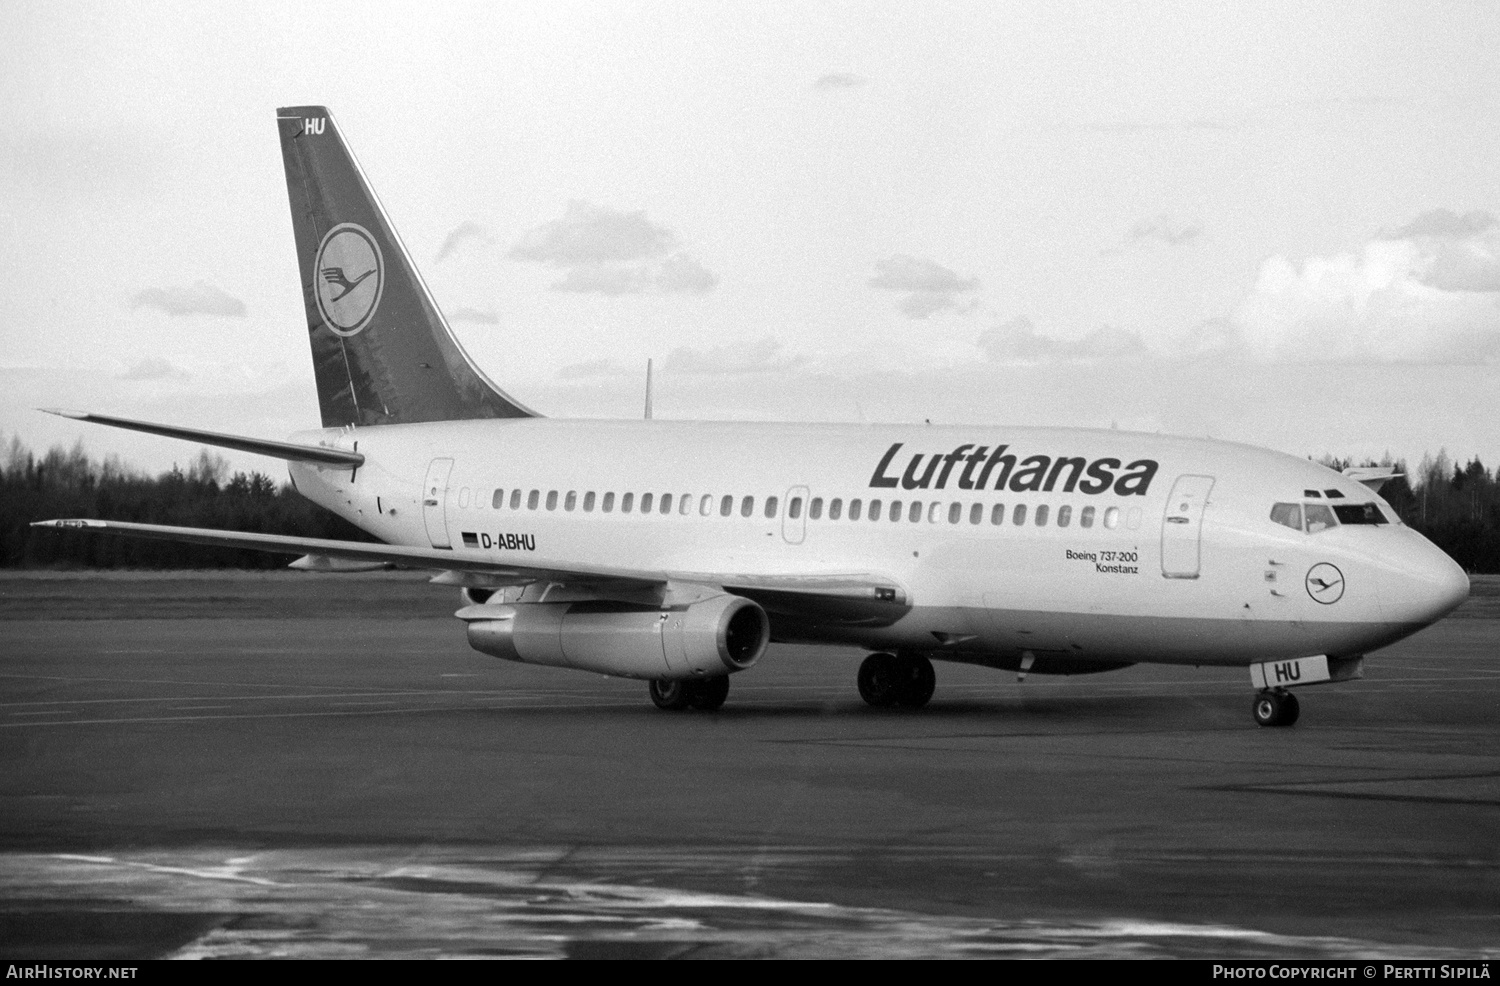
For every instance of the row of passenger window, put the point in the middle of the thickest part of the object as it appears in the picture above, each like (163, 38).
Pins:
(707, 504)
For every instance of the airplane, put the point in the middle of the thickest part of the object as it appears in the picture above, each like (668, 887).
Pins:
(677, 551)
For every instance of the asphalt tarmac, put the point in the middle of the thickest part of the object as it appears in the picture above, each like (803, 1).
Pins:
(255, 765)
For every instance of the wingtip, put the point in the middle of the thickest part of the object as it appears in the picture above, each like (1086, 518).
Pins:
(63, 412)
(68, 523)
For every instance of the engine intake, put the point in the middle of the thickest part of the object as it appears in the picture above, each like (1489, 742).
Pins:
(715, 636)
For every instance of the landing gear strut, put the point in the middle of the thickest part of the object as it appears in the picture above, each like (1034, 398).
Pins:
(704, 694)
(906, 680)
(1275, 708)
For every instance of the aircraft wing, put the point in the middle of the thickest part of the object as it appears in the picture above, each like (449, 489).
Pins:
(839, 593)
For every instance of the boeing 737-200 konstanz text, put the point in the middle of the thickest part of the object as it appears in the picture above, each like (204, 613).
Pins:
(674, 552)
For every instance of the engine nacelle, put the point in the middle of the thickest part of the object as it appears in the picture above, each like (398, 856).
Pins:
(716, 636)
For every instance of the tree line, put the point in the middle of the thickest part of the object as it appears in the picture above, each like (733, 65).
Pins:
(1456, 505)
(70, 483)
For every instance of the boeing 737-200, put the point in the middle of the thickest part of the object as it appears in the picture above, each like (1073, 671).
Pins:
(676, 551)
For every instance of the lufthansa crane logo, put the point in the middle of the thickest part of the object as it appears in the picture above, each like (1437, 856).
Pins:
(1325, 583)
(348, 276)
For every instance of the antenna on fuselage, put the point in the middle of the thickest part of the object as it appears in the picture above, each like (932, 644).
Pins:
(648, 390)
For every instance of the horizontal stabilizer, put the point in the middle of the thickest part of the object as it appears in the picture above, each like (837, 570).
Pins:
(260, 446)
(1373, 477)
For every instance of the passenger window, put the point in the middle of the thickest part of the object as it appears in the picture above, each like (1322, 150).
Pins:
(666, 503)
(815, 508)
(955, 512)
(933, 510)
(997, 515)
(571, 501)
(1319, 517)
(588, 502)
(463, 498)
(794, 509)
(626, 502)
(1064, 516)
(914, 512)
(726, 506)
(895, 511)
(874, 509)
(1112, 518)
(835, 508)
(1018, 516)
(1133, 518)
(1287, 515)
(855, 508)
(1086, 518)
(771, 506)
(552, 499)
(976, 513)
(747, 507)
(685, 504)
(609, 502)
(646, 501)
(533, 499)
(498, 500)
(706, 504)
(1041, 515)
(515, 499)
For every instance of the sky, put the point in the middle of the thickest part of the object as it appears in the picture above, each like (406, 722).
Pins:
(1276, 223)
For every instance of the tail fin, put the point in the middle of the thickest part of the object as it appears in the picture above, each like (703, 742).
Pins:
(382, 352)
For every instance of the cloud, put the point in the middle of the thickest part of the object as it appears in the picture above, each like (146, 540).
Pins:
(1018, 342)
(590, 369)
(761, 355)
(680, 273)
(1444, 223)
(200, 299)
(590, 234)
(152, 368)
(481, 316)
(930, 287)
(1428, 292)
(602, 251)
(839, 80)
(1170, 231)
(461, 234)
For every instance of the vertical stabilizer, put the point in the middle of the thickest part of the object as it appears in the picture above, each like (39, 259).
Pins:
(382, 352)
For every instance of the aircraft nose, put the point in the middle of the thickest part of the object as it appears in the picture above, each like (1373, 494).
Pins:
(1432, 586)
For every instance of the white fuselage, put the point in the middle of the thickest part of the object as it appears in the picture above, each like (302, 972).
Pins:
(1115, 560)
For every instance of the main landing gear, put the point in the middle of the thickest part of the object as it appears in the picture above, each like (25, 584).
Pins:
(1275, 707)
(906, 680)
(704, 694)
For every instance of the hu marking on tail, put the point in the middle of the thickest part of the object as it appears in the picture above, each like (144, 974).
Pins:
(348, 306)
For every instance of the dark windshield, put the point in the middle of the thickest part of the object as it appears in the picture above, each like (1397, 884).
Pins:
(1359, 513)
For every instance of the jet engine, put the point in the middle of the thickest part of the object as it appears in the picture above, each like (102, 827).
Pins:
(715, 636)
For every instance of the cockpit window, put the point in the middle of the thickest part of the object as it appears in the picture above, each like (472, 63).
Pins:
(1319, 517)
(1288, 515)
(1360, 513)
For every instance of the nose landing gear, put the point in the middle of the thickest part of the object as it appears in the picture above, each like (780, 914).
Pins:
(906, 680)
(1275, 707)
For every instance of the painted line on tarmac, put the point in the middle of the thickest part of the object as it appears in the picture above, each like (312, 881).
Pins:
(369, 711)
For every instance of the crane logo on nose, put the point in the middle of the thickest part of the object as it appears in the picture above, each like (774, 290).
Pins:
(1325, 583)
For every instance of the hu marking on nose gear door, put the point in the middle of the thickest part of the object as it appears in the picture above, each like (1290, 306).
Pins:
(348, 276)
